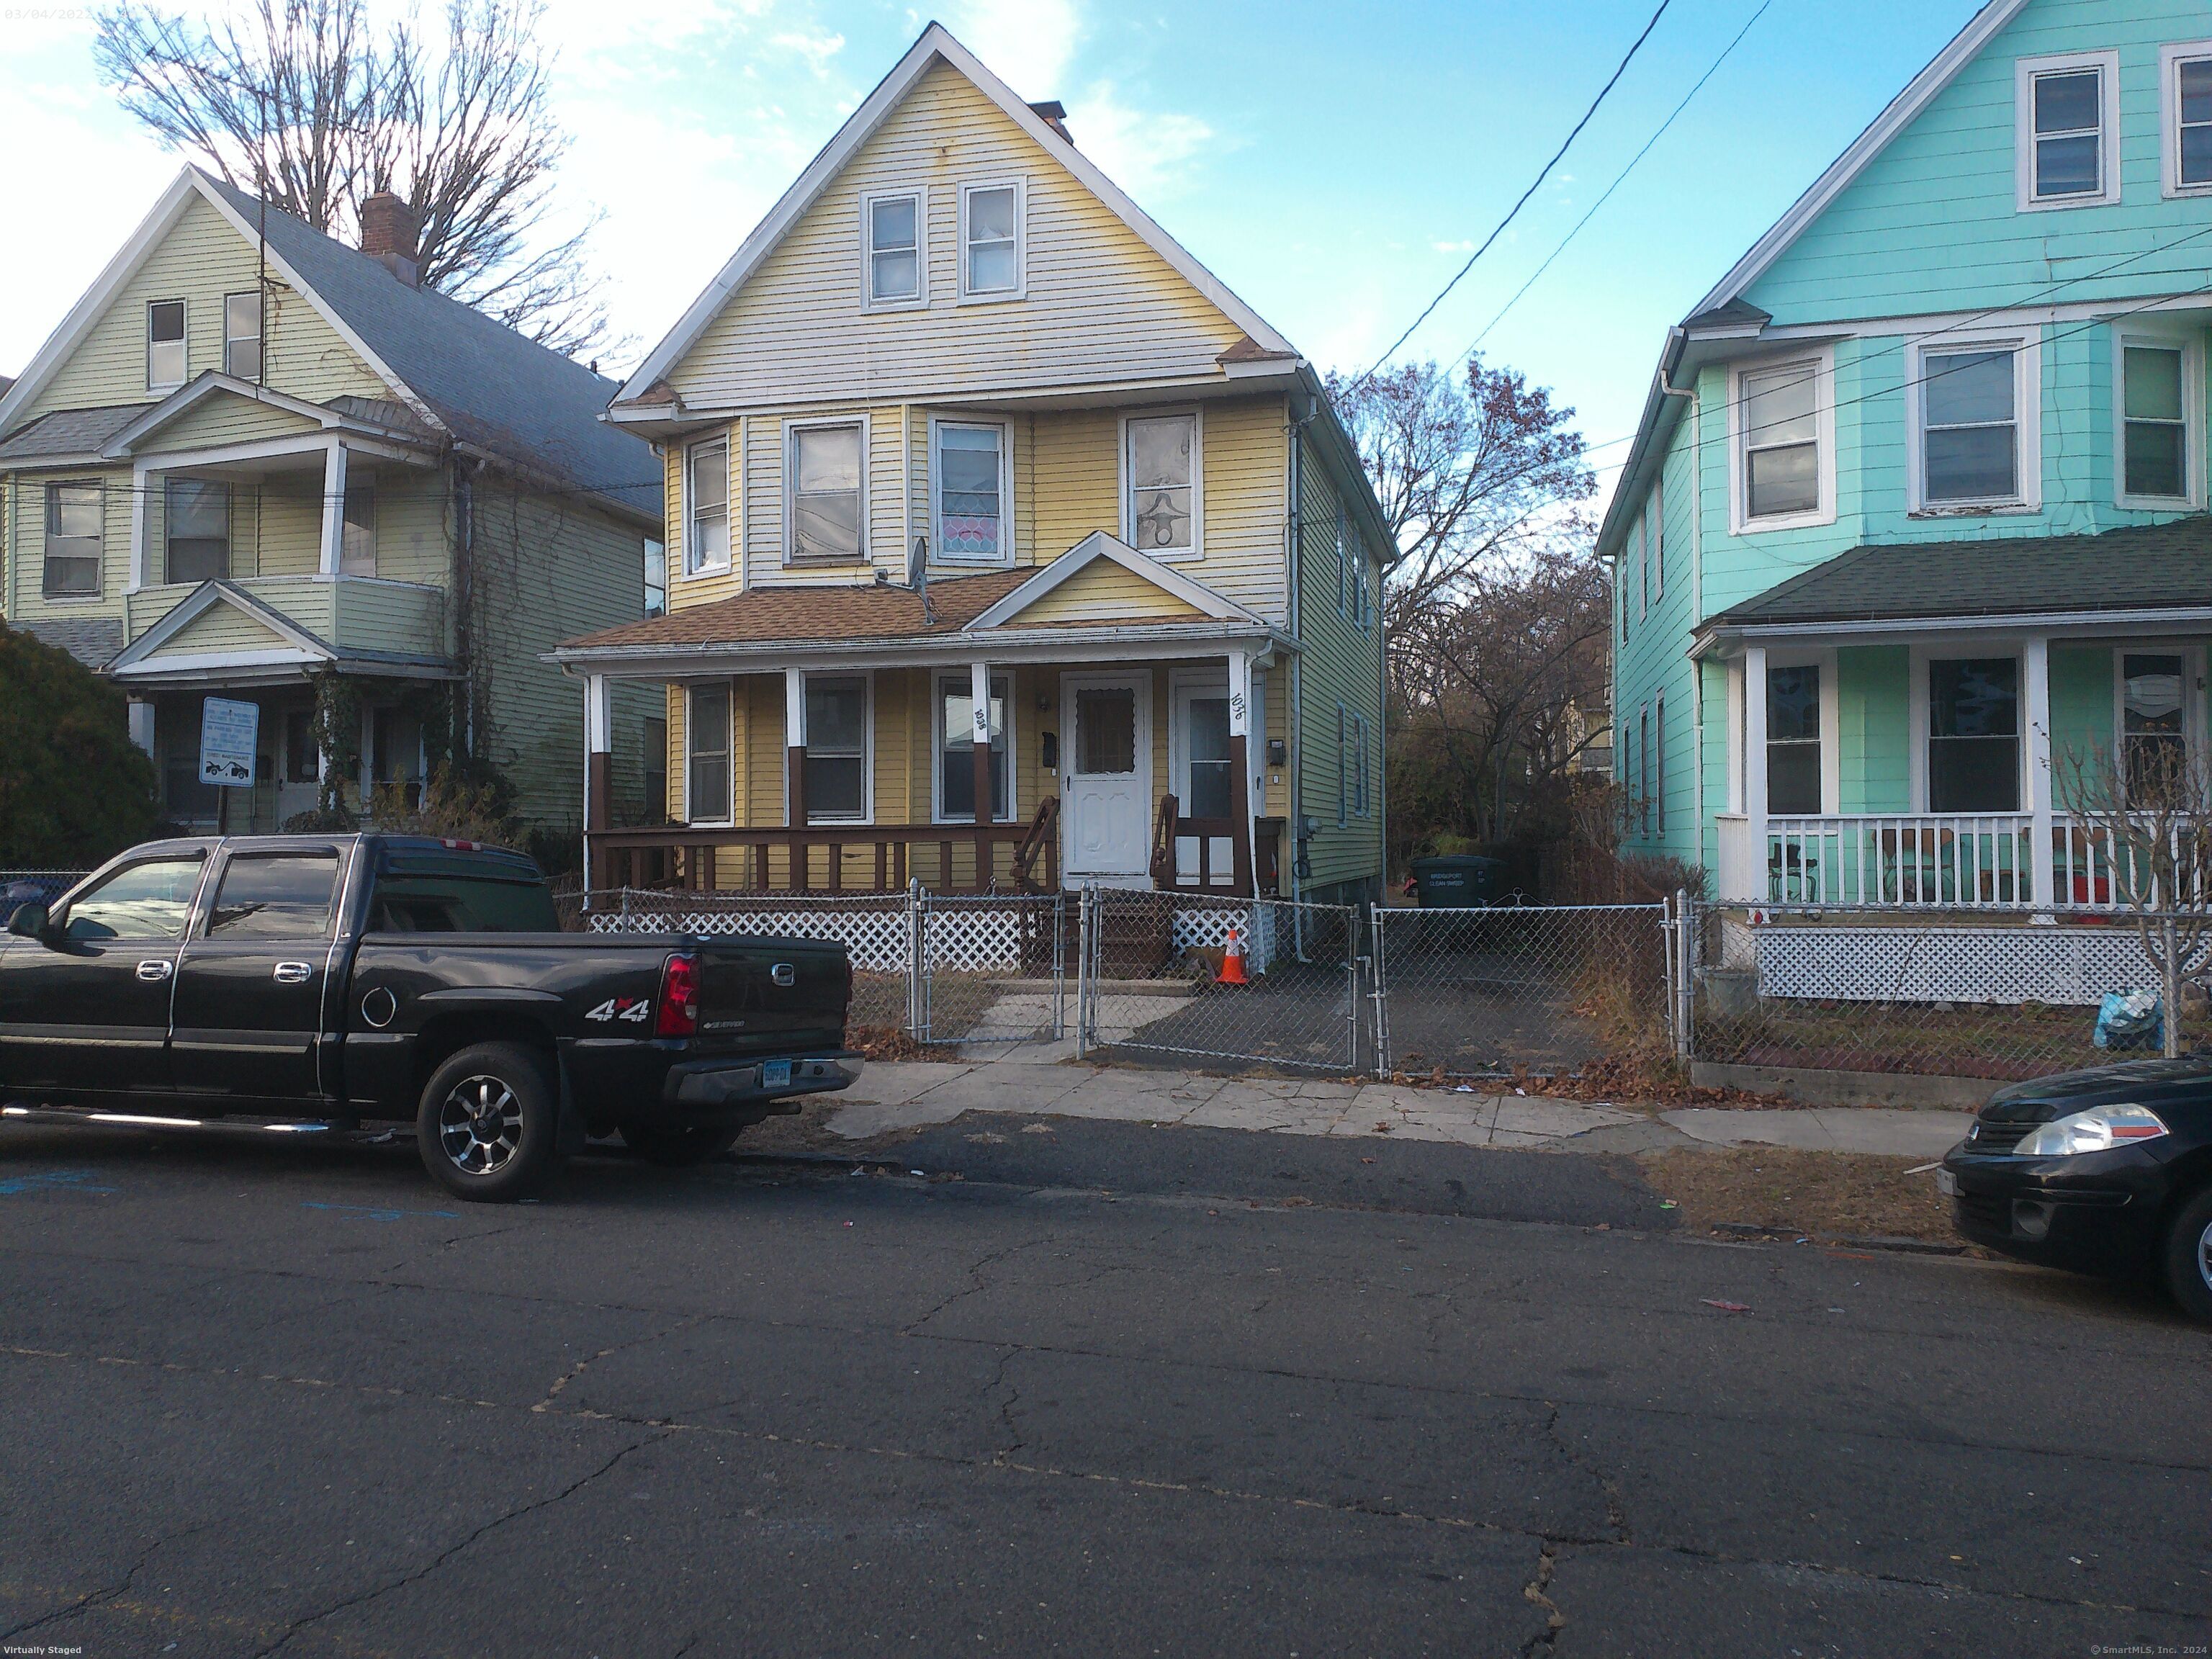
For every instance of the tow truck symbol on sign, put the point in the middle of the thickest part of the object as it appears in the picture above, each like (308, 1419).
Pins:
(633, 1010)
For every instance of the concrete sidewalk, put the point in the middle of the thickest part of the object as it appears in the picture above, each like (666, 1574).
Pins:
(913, 1094)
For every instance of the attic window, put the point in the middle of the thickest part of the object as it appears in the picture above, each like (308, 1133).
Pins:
(2068, 116)
(991, 241)
(241, 335)
(892, 226)
(164, 345)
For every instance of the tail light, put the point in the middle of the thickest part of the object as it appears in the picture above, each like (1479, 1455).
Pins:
(679, 996)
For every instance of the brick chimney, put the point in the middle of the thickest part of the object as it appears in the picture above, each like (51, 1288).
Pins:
(1054, 114)
(390, 230)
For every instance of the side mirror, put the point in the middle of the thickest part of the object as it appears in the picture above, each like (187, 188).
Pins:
(31, 921)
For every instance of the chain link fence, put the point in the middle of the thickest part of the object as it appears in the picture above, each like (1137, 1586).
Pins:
(17, 886)
(1974, 994)
(1493, 991)
(991, 969)
(1160, 972)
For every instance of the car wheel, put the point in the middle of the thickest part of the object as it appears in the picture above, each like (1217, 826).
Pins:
(679, 1148)
(2189, 1257)
(488, 1123)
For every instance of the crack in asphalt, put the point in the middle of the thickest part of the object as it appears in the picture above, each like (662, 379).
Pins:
(423, 1571)
(1537, 1589)
(1015, 1441)
(104, 1593)
(589, 1360)
(1616, 1503)
(975, 1285)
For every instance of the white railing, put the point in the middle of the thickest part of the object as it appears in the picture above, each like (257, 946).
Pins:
(1741, 880)
(1975, 860)
(2088, 870)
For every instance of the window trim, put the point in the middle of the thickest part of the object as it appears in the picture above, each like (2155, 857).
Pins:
(260, 336)
(1655, 508)
(1740, 523)
(1659, 787)
(2170, 58)
(169, 524)
(47, 503)
(729, 690)
(1822, 661)
(2026, 350)
(791, 431)
(1004, 556)
(2026, 72)
(867, 756)
(2191, 653)
(183, 343)
(655, 559)
(941, 680)
(1643, 771)
(1921, 721)
(2190, 345)
(1343, 765)
(1196, 414)
(968, 296)
(692, 565)
(919, 195)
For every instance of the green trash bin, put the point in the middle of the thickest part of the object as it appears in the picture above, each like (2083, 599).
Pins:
(1457, 880)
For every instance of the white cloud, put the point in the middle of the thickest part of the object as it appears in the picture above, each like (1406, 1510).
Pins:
(1464, 246)
(1028, 43)
(1147, 152)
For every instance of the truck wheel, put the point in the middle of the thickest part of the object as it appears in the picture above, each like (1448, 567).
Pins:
(2187, 1254)
(488, 1123)
(677, 1149)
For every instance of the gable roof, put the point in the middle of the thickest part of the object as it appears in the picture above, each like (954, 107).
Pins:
(80, 433)
(1172, 584)
(292, 644)
(2160, 566)
(936, 44)
(764, 616)
(364, 415)
(478, 381)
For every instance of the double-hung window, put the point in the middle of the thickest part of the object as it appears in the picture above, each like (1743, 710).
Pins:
(893, 256)
(971, 493)
(837, 763)
(656, 580)
(1973, 734)
(991, 241)
(75, 512)
(1970, 435)
(1343, 560)
(1654, 535)
(164, 345)
(1643, 771)
(1659, 790)
(955, 749)
(198, 511)
(1362, 761)
(1793, 740)
(1780, 426)
(1343, 766)
(1161, 467)
(2155, 424)
(241, 335)
(707, 507)
(2067, 137)
(825, 469)
(2186, 115)
(707, 734)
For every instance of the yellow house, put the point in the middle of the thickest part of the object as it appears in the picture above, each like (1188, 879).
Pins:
(1009, 548)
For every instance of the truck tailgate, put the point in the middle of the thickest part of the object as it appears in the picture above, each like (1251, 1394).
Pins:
(782, 993)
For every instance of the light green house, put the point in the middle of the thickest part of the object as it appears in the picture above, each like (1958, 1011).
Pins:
(1916, 513)
(258, 463)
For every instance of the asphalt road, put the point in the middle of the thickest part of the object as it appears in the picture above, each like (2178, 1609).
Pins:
(1123, 1391)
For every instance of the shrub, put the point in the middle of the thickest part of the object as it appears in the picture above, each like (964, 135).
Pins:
(74, 789)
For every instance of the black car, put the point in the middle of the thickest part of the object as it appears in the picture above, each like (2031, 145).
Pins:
(2106, 1171)
(297, 983)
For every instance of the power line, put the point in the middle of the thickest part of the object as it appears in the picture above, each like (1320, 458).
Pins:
(1619, 179)
(1535, 184)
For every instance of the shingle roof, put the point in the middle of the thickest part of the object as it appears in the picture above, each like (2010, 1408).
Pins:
(492, 387)
(769, 615)
(93, 641)
(70, 432)
(2140, 567)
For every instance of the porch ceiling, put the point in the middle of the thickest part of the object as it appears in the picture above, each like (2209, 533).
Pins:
(2138, 570)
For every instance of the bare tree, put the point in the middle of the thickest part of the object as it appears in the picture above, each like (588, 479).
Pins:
(305, 105)
(2141, 832)
(1473, 468)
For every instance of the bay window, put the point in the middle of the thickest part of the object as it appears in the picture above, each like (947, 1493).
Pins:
(955, 749)
(707, 507)
(825, 469)
(836, 761)
(1973, 734)
(1970, 426)
(971, 494)
(2153, 423)
(197, 514)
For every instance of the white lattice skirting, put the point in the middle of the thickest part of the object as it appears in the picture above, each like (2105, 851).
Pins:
(969, 938)
(2063, 966)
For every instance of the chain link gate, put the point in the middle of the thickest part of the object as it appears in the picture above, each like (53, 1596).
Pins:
(1156, 980)
(1485, 992)
(989, 968)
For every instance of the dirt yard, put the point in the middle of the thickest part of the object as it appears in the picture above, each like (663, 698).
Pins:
(1800, 1194)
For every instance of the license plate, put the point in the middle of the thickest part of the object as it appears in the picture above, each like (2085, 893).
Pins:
(775, 1074)
(1947, 1183)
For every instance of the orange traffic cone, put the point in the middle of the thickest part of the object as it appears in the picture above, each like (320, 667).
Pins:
(1232, 960)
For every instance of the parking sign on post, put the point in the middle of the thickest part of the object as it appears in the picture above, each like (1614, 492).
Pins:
(228, 732)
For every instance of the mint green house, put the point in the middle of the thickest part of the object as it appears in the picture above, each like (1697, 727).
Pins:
(1916, 513)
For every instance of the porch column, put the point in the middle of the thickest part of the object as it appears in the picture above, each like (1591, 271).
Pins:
(794, 773)
(979, 691)
(598, 786)
(1754, 762)
(1240, 780)
(334, 490)
(2035, 661)
(142, 724)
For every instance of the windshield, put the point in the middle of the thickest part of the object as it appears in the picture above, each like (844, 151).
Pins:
(461, 904)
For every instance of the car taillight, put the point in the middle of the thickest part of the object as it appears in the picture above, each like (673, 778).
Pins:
(679, 997)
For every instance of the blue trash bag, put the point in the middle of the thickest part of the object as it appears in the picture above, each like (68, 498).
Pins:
(2130, 1019)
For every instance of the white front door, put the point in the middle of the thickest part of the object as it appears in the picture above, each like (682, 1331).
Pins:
(1106, 778)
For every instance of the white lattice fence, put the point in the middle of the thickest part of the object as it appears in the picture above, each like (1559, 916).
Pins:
(2062, 966)
(875, 937)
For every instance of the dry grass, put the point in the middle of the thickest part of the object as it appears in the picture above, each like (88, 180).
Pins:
(1802, 1193)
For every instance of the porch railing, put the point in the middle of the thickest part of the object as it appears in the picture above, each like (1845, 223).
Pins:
(1947, 860)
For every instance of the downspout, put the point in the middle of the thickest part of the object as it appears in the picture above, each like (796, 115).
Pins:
(464, 547)
(1294, 700)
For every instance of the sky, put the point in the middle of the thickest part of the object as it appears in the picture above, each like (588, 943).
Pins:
(1334, 165)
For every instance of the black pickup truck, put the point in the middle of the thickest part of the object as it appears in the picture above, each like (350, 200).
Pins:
(298, 983)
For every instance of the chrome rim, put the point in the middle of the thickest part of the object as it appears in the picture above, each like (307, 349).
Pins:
(480, 1125)
(2204, 1255)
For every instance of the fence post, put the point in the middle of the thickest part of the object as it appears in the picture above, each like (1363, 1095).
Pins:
(1686, 918)
(1377, 967)
(1670, 960)
(1059, 964)
(1085, 973)
(1354, 958)
(917, 1018)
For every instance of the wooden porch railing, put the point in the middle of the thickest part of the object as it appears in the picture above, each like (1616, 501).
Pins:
(858, 858)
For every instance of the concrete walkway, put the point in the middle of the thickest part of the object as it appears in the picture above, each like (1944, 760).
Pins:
(914, 1094)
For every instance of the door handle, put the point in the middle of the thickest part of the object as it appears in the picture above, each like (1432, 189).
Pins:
(293, 973)
(155, 972)
(784, 974)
